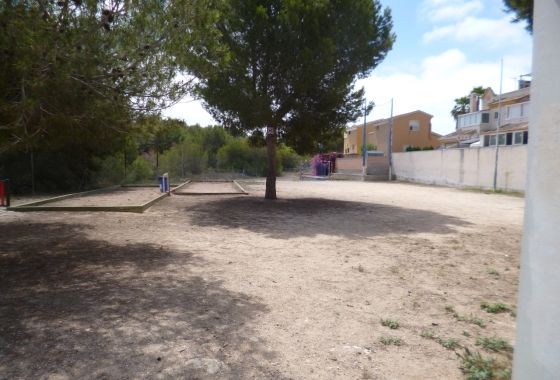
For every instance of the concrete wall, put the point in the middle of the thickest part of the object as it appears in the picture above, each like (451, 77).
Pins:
(355, 163)
(471, 167)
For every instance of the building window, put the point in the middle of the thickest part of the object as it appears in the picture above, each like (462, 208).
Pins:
(485, 117)
(502, 139)
(495, 115)
(513, 112)
(492, 140)
(414, 125)
(518, 138)
(349, 132)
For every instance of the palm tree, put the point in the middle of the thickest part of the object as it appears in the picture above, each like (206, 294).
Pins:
(462, 105)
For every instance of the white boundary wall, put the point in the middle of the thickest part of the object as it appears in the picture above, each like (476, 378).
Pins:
(470, 167)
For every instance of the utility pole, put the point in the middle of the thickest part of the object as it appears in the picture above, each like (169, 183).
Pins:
(364, 159)
(32, 174)
(498, 129)
(390, 153)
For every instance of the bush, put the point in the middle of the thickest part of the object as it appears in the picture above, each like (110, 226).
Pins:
(188, 153)
(413, 148)
(238, 155)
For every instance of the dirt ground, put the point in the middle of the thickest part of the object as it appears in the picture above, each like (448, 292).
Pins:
(124, 196)
(230, 287)
(209, 187)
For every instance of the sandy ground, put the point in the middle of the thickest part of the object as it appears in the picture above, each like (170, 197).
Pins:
(229, 287)
(125, 196)
(209, 187)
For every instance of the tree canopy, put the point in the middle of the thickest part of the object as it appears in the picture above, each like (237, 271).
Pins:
(462, 104)
(522, 10)
(80, 72)
(292, 69)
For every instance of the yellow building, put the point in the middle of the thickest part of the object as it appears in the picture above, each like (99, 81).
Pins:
(410, 129)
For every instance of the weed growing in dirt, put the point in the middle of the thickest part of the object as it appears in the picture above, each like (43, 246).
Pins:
(477, 321)
(394, 270)
(494, 344)
(494, 308)
(428, 334)
(466, 333)
(449, 343)
(458, 317)
(388, 340)
(443, 298)
(493, 271)
(449, 309)
(507, 269)
(471, 278)
(361, 269)
(476, 367)
(513, 314)
(432, 247)
(390, 323)
(415, 303)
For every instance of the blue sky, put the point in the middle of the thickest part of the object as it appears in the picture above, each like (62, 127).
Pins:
(444, 48)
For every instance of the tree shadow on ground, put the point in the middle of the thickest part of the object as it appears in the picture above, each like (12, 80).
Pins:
(75, 308)
(313, 216)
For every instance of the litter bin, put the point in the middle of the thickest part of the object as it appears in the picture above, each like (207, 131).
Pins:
(163, 183)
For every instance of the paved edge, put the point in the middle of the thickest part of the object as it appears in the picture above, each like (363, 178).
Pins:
(36, 206)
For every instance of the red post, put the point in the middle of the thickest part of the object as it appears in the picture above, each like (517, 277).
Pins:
(2, 193)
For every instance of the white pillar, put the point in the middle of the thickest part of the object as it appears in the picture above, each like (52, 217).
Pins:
(537, 343)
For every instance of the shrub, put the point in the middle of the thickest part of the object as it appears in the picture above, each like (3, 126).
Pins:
(390, 323)
(476, 367)
(494, 308)
(494, 344)
(391, 340)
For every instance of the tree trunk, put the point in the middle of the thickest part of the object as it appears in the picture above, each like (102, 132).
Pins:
(271, 175)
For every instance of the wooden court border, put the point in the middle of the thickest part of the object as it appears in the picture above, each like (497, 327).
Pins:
(235, 184)
(37, 206)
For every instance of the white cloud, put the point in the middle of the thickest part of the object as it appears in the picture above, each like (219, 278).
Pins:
(449, 10)
(192, 113)
(442, 78)
(489, 33)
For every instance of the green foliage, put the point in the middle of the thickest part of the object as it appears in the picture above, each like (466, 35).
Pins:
(188, 158)
(449, 343)
(449, 309)
(476, 321)
(494, 344)
(369, 147)
(522, 10)
(79, 73)
(413, 148)
(112, 171)
(237, 154)
(388, 340)
(494, 308)
(390, 323)
(462, 104)
(493, 271)
(292, 68)
(428, 148)
(428, 334)
(476, 367)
